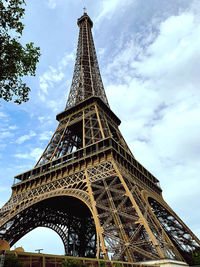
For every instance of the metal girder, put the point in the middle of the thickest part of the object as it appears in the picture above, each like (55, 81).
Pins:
(185, 241)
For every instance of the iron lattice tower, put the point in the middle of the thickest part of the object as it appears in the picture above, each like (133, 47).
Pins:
(88, 187)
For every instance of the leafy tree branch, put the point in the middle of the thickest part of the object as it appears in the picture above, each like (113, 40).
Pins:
(16, 61)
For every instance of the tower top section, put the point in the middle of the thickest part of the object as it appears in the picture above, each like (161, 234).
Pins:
(84, 18)
(86, 81)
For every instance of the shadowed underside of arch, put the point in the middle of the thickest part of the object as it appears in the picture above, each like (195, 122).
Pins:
(69, 217)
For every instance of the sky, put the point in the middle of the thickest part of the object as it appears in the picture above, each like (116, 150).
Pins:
(149, 58)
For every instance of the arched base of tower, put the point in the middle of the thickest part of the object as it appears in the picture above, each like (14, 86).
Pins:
(68, 216)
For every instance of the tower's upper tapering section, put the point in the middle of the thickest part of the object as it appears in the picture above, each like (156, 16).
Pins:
(86, 81)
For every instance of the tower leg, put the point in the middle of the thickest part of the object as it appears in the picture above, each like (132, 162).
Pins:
(128, 229)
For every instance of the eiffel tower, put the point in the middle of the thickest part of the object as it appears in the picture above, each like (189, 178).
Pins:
(88, 187)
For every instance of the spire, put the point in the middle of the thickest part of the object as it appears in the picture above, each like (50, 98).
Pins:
(86, 81)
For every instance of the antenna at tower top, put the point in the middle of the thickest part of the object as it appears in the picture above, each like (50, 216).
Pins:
(84, 10)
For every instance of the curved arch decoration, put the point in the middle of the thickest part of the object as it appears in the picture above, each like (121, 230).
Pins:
(69, 221)
(26, 203)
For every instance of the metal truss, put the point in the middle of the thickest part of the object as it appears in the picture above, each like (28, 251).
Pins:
(86, 81)
(128, 228)
(185, 241)
(77, 231)
(88, 187)
(80, 129)
(124, 224)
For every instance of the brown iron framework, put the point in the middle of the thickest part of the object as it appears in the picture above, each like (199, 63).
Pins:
(88, 187)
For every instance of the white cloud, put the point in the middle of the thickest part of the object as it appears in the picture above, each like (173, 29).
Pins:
(3, 115)
(43, 85)
(101, 51)
(36, 153)
(67, 58)
(46, 135)
(25, 137)
(53, 76)
(109, 8)
(22, 156)
(5, 134)
(41, 119)
(12, 127)
(41, 96)
(52, 3)
(55, 104)
(49, 78)
(175, 55)
(33, 155)
(46, 120)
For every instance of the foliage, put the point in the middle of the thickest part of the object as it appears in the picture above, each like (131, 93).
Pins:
(72, 263)
(16, 61)
(102, 264)
(196, 257)
(12, 261)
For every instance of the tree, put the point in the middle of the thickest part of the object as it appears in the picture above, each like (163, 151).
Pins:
(12, 261)
(16, 61)
(73, 263)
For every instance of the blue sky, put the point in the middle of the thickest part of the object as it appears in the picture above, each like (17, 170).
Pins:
(149, 57)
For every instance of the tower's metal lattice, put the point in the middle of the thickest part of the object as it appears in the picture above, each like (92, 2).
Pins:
(88, 187)
(86, 80)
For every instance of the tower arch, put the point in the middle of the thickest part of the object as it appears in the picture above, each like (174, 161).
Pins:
(68, 215)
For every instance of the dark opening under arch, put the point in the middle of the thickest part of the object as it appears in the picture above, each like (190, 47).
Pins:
(68, 216)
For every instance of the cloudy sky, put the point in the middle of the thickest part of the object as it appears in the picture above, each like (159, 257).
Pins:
(149, 57)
